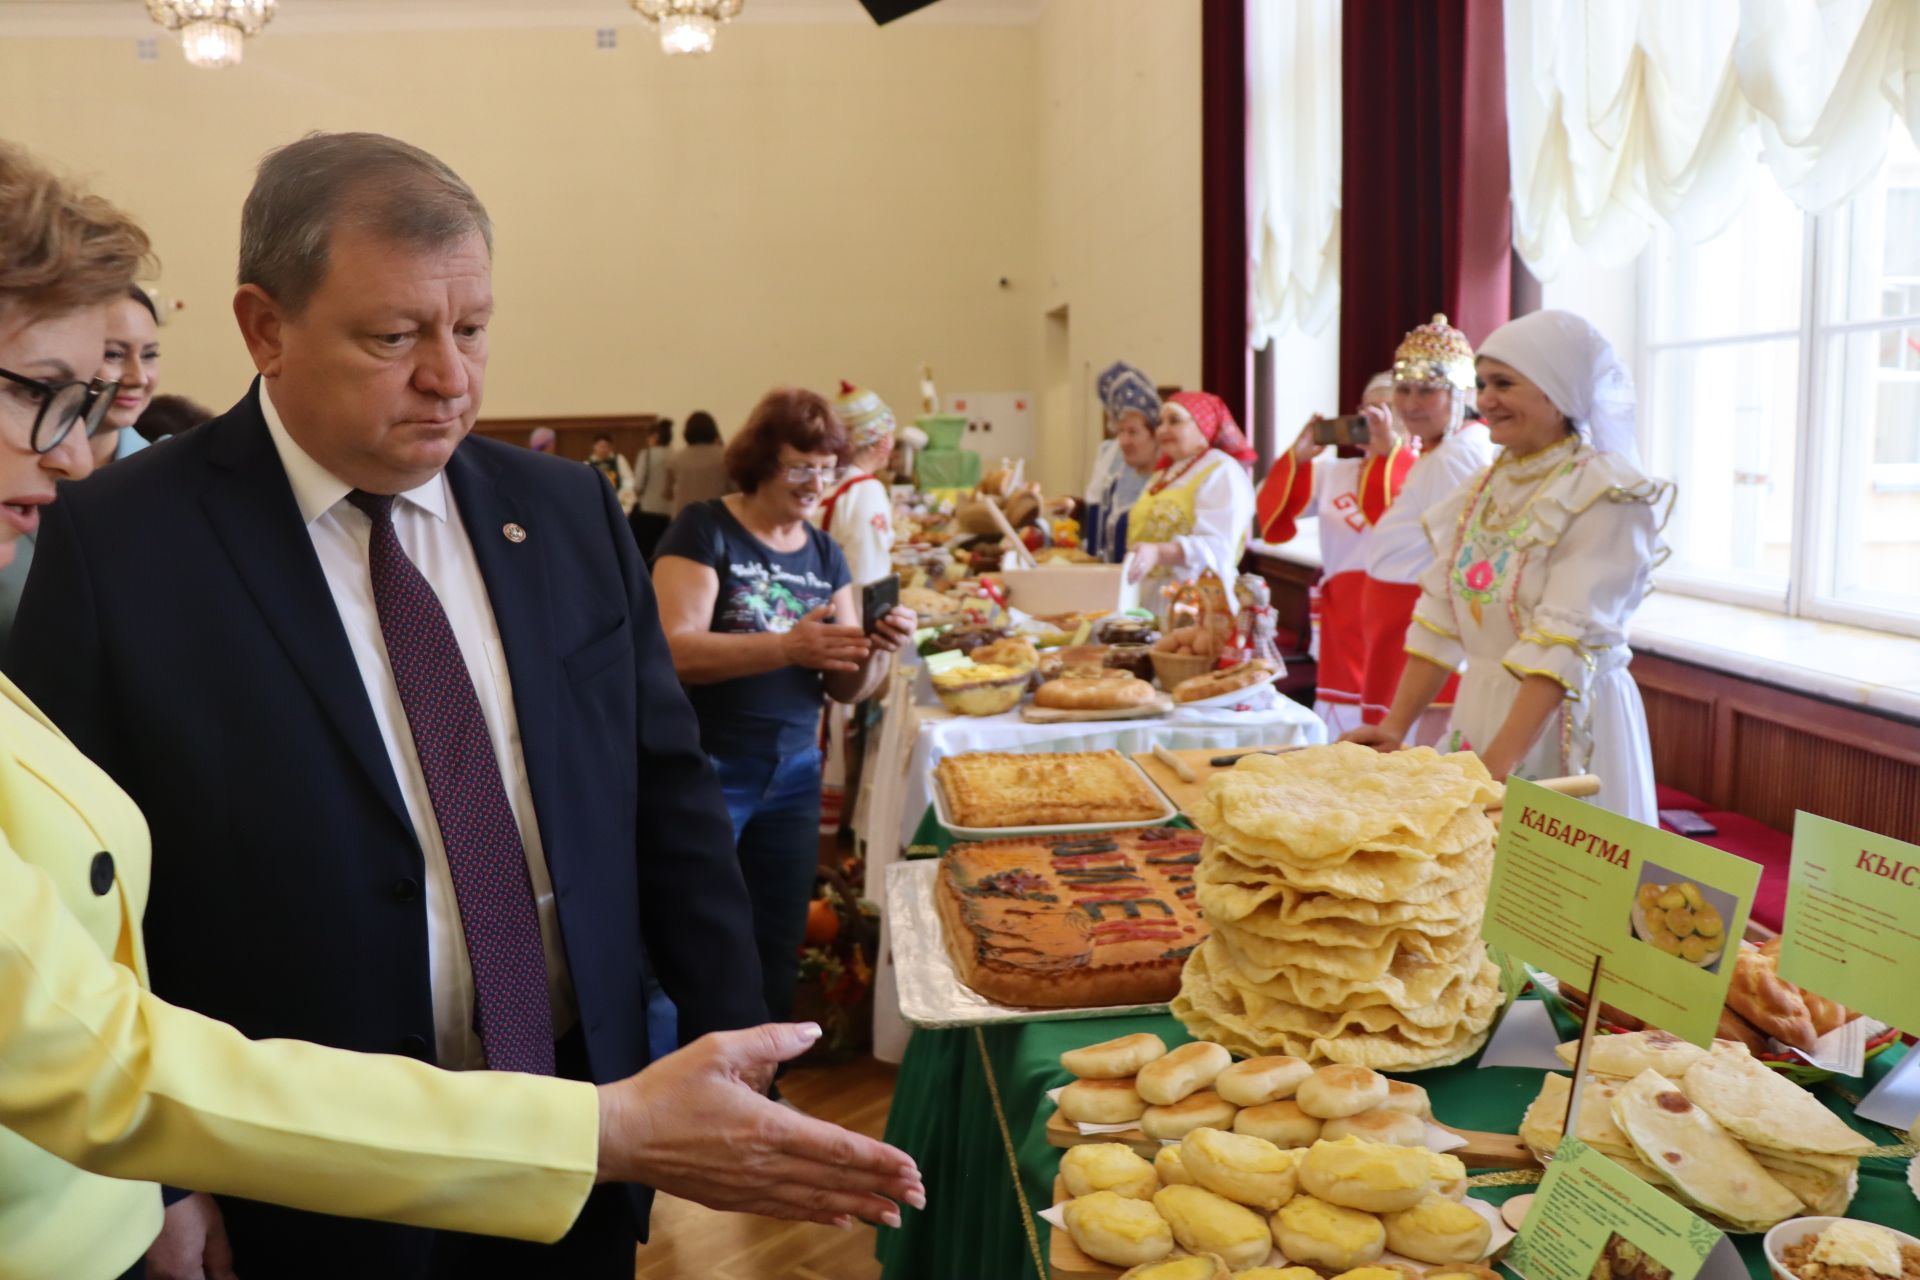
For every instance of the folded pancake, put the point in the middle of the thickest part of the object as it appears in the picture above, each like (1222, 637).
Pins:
(1696, 1157)
(1543, 1125)
(1628, 1055)
(1763, 1108)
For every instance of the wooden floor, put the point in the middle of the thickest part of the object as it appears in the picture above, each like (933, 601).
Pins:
(690, 1241)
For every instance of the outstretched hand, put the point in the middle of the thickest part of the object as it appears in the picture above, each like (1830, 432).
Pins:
(697, 1124)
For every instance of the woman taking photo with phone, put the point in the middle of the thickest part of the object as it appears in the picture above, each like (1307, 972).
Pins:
(1542, 560)
(764, 622)
(1348, 493)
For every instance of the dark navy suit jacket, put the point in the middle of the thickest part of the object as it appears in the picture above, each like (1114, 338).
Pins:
(178, 627)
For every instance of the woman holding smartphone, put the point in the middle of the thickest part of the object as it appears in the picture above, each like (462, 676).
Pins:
(763, 618)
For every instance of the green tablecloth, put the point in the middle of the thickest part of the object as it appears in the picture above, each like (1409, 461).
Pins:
(955, 1086)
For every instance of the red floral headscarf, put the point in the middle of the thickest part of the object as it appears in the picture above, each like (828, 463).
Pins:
(1210, 413)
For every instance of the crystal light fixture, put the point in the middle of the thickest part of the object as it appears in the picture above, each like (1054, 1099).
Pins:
(687, 26)
(213, 33)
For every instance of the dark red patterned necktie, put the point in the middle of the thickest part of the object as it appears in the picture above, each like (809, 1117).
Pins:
(484, 853)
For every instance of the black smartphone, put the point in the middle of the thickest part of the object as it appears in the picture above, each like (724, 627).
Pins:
(877, 600)
(1688, 823)
(1349, 429)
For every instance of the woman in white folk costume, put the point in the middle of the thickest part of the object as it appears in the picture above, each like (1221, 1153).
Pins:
(1432, 378)
(857, 514)
(1541, 561)
(1125, 461)
(1349, 495)
(1196, 513)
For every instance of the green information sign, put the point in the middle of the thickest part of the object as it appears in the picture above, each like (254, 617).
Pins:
(1853, 898)
(1591, 1217)
(1664, 914)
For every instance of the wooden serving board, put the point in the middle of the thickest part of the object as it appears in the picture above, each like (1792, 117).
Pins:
(1184, 794)
(1160, 706)
(1483, 1150)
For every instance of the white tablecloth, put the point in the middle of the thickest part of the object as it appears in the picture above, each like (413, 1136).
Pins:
(918, 733)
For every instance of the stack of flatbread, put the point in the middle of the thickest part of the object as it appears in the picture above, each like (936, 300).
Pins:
(1344, 889)
(1717, 1130)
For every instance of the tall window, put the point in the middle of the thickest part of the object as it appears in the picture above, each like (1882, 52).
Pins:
(1780, 384)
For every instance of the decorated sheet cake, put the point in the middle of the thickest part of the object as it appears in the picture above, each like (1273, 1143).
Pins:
(1052, 922)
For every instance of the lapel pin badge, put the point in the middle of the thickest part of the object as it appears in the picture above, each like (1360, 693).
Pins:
(514, 532)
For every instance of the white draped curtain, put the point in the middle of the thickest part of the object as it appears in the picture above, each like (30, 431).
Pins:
(1293, 164)
(1626, 114)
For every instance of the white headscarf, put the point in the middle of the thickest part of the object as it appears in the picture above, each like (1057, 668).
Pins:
(1577, 368)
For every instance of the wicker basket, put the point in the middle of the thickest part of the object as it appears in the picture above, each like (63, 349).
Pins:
(1172, 668)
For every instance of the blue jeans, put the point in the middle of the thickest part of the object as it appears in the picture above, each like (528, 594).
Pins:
(775, 806)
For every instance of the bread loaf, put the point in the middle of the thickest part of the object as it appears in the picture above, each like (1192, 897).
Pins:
(1758, 994)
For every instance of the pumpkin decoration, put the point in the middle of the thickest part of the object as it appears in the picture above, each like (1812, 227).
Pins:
(823, 922)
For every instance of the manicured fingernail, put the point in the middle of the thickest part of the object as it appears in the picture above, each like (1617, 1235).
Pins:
(917, 1198)
(892, 1218)
(810, 1030)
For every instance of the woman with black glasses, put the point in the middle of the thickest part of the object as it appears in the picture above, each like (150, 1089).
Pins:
(759, 610)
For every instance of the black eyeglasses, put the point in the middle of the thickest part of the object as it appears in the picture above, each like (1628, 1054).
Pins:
(62, 404)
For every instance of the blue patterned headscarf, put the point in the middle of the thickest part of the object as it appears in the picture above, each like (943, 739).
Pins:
(1123, 387)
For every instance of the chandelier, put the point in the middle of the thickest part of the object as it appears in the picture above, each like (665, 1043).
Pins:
(686, 26)
(213, 33)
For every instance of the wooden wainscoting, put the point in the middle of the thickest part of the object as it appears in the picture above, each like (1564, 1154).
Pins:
(574, 436)
(1765, 752)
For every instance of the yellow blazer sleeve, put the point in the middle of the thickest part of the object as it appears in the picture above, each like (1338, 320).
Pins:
(107, 1076)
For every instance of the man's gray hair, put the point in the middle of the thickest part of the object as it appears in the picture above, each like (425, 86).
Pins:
(305, 189)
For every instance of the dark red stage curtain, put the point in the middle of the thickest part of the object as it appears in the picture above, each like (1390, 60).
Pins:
(1225, 365)
(1425, 220)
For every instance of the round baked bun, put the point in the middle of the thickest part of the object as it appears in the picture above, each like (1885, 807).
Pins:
(1282, 1123)
(1327, 1236)
(1260, 1080)
(1172, 1167)
(1368, 1176)
(1101, 1102)
(1332, 1092)
(1107, 1166)
(1079, 693)
(1438, 1230)
(1114, 1059)
(1395, 1128)
(1245, 1169)
(1113, 1229)
(1410, 1098)
(1178, 1119)
(1187, 1070)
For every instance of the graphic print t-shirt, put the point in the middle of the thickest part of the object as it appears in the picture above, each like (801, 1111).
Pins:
(775, 713)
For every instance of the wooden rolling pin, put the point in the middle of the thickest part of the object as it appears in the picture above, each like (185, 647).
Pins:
(1579, 786)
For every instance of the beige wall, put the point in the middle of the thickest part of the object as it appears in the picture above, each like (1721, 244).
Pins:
(1119, 203)
(811, 201)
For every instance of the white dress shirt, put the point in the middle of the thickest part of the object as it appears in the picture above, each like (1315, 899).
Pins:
(428, 523)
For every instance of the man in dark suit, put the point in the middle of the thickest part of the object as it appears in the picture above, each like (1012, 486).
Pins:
(396, 704)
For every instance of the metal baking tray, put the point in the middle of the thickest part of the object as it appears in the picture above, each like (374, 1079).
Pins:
(931, 993)
(1059, 829)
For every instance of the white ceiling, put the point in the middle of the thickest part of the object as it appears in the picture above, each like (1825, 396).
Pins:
(128, 17)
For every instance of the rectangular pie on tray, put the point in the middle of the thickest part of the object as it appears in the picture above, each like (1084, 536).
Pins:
(1042, 789)
(1073, 922)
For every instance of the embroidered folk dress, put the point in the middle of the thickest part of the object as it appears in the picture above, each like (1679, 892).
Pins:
(1539, 565)
(1206, 508)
